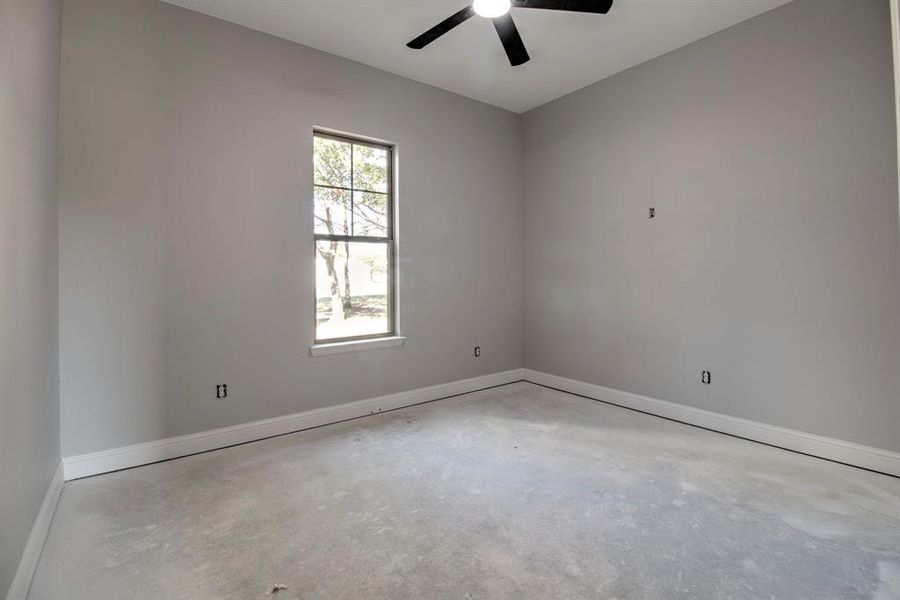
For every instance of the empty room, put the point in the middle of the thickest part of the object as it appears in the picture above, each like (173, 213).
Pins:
(450, 299)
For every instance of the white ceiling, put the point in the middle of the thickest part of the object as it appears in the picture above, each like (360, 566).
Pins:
(568, 50)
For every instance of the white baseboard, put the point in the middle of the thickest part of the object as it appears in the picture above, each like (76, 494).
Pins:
(18, 590)
(105, 461)
(84, 465)
(875, 459)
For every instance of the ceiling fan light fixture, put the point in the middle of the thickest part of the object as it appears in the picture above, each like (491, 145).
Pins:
(498, 12)
(491, 9)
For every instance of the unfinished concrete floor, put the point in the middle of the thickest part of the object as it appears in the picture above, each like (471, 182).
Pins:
(514, 492)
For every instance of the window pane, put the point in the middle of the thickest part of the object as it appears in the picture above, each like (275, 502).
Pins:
(353, 278)
(370, 168)
(332, 210)
(370, 214)
(332, 162)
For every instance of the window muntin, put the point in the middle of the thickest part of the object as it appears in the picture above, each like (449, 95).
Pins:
(353, 213)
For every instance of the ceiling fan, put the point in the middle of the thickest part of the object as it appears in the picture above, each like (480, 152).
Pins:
(498, 12)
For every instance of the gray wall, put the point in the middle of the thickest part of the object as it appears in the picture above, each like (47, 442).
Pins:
(768, 150)
(29, 405)
(186, 227)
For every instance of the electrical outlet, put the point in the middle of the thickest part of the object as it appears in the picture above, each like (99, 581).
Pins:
(706, 377)
(477, 351)
(222, 390)
(652, 212)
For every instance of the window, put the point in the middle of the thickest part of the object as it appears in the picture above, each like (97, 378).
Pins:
(354, 238)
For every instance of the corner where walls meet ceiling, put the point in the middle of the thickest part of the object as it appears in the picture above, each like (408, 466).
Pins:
(568, 50)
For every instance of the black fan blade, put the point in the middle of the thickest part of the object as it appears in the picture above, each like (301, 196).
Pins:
(589, 6)
(441, 28)
(512, 41)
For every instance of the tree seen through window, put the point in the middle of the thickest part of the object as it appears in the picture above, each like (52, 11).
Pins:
(354, 238)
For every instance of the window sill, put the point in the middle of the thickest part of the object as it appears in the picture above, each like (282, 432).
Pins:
(356, 345)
